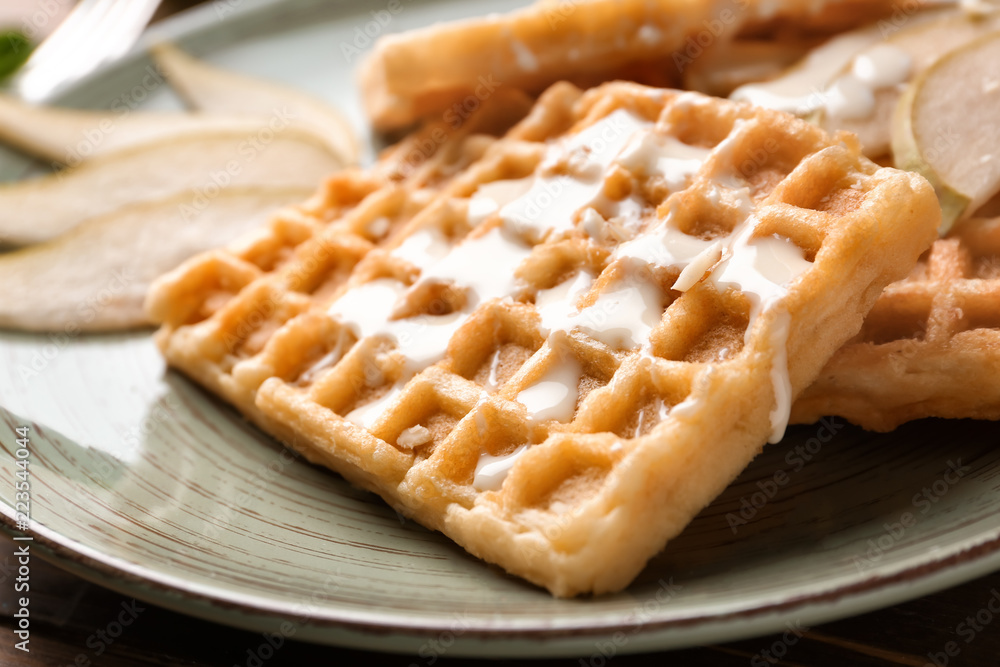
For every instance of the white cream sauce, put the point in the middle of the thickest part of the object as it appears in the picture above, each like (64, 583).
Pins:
(491, 470)
(552, 202)
(850, 96)
(366, 415)
(622, 316)
(554, 395)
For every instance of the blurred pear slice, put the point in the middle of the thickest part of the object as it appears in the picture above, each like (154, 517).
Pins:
(204, 162)
(947, 129)
(95, 277)
(799, 89)
(214, 90)
(921, 43)
(71, 136)
(803, 89)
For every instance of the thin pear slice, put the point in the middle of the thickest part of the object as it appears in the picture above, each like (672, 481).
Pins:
(922, 44)
(71, 136)
(796, 90)
(95, 277)
(802, 89)
(214, 90)
(204, 162)
(946, 128)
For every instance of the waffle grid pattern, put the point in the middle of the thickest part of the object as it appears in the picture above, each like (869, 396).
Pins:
(657, 429)
(928, 348)
(220, 309)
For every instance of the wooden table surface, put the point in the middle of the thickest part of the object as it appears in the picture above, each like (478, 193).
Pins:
(71, 618)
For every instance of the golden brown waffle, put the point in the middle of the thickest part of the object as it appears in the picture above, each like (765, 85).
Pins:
(583, 337)
(221, 307)
(443, 67)
(929, 347)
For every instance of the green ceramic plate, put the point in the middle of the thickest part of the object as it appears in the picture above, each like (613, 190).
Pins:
(144, 483)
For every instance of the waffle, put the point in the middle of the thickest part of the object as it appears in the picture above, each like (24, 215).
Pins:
(582, 338)
(443, 67)
(930, 345)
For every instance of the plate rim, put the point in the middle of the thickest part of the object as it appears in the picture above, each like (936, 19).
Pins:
(872, 593)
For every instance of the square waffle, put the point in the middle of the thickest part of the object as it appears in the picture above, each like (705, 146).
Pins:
(929, 346)
(569, 345)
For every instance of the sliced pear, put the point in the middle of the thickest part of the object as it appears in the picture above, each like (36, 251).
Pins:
(920, 44)
(802, 89)
(95, 277)
(946, 128)
(796, 91)
(71, 136)
(205, 162)
(214, 90)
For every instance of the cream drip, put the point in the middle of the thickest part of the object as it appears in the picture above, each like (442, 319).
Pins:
(762, 268)
(552, 202)
(554, 395)
(663, 156)
(650, 417)
(491, 470)
(850, 96)
(612, 320)
(489, 197)
(366, 415)
(422, 248)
